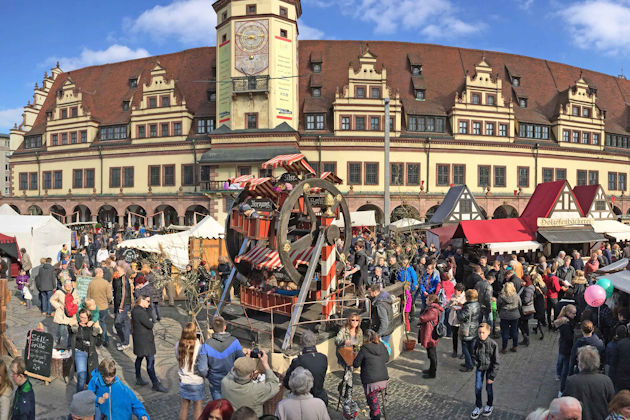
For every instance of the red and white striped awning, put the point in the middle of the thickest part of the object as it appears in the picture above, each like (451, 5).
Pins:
(262, 186)
(261, 257)
(292, 163)
(330, 177)
(241, 180)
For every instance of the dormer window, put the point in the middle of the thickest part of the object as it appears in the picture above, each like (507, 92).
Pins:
(212, 96)
(64, 114)
(317, 68)
(575, 111)
(516, 81)
(522, 102)
(420, 94)
(133, 83)
(586, 112)
(152, 102)
(490, 100)
(125, 105)
(475, 98)
(416, 70)
(316, 92)
(360, 92)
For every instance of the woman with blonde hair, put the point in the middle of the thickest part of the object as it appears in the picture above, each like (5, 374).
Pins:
(6, 389)
(509, 307)
(191, 386)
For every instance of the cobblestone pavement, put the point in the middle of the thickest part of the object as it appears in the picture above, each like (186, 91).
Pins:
(525, 380)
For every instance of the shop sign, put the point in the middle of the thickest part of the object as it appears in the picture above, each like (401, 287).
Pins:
(546, 222)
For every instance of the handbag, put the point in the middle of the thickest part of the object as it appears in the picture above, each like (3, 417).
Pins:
(439, 330)
(528, 309)
(464, 328)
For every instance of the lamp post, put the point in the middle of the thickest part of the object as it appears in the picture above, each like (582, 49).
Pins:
(387, 168)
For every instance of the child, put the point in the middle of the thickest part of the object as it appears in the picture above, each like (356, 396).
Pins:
(22, 285)
(486, 359)
(408, 303)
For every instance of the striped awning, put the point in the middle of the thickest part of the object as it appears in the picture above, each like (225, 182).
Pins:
(261, 257)
(241, 180)
(292, 163)
(262, 186)
(330, 177)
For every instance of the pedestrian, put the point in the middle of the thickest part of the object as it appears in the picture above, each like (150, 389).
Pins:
(593, 389)
(313, 361)
(83, 406)
(349, 335)
(540, 292)
(217, 356)
(429, 283)
(359, 270)
(428, 320)
(300, 404)
(23, 406)
(6, 389)
(619, 407)
(408, 304)
(240, 388)
(220, 409)
(486, 359)
(85, 356)
(382, 314)
(102, 254)
(372, 359)
(46, 284)
(224, 271)
(484, 291)
(565, 324)
(144, 342)
(191, 386)
(587, 339)
(66, 304)
(145, 288)
(579, 288)
(455, 304)
(617, 359)
(122, 305)
(100, 290)
(509, 306)
(23, 288)
(527, 310)
(114, 400)
(468, 318)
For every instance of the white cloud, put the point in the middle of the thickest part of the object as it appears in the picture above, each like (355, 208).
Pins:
(189, 21)
(525, 4)
(308, 32)
(602, 24)
(94, 57)
(8, 117)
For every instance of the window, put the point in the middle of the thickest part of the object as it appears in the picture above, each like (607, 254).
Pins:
(586, 112)
(530, 131)
(166, 101)
(345, 123)
(114, 132)
(585, 138)
(371, 173)
(32, 142)
(155, 179)
(169, 175)
(64, 114)
(23, 181)
(465, 205)
(204, 173)
(251, 9)
(483, 175)
(317, 68)
(252, 121)
(476, 127)
(612, 180)
(315, 122)
(439, 125)
(443, 175)
(53, 139)
(459, 174)
(64, 138)
(223, 16)
(607, 139)
(575, 111)
(516, 81)
(359, 123)
(114, 177)
(489, 129)
(565, 135)
(128, 176)
(545, 132)
(73, 137)
(354, 173)
(375, 123)
(47, 180)
(475, 98)
(420, 94)
(430, 126)
(133, 83)
(177, 129)
(57, 180)
(600, 205)
(77, 178)
(141, 132)
(152, 102)
(375, 92)
(576, 136)
(413, 174)
(522, 102)
(329, 167)
(499, 176)
(490, 100)
(621, 181)
(463, 127)
(316, 92)
(224, 38)
(593, 177)
(283, 33)
(416, 70)
(561, 174)
(32, 180)
(153, 130)
(84, 136)
(420, 123)
(89, 178)
(595, 139)
(503, 130)
(211, 95)
(164, 129)
(284, 12)
(265, 173)
(205, 125)
(547, 175)
(360, 92)
(74, 111)
(397, 174)
(537, 132)
(244, 170)
(582, 177)
(188, 175)
(125, 106)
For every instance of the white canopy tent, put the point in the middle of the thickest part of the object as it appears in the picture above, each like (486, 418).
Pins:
(405, 223)
(41, 236)
(513, 247)
(7, 210)
(358, 218)
(620, 280)
(617, 230)
(175, 245)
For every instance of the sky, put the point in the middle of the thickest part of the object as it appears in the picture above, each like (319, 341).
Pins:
(591, 34)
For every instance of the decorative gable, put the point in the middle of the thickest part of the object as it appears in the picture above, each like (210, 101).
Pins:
(458, 204)
(565, 205)
(601, 207)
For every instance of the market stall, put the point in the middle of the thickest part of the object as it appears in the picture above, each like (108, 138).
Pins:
(41, 236)
(498, 236)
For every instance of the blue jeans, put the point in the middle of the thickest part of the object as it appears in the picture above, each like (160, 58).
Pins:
(509, 329)
(562, 369)
(467, 349)
(123, 328)
(479, 380)
(80, 363)
(150, 368)
(102, 316)
(216, 393)
(44, 301)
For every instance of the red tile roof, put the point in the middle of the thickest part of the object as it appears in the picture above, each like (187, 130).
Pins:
(585, 194)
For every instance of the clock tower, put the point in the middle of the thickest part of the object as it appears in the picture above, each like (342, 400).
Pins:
(257, 63)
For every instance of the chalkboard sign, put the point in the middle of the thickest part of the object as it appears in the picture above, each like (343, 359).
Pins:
(39, 347)
(262, 204)
(317, 200)
(290, 178)
(82, 286)
(130, 255)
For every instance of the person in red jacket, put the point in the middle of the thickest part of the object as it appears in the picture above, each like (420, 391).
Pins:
(427, 322)
(591, 266)
(553, 287)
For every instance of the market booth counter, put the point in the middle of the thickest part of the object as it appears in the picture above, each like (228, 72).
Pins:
(498, 236)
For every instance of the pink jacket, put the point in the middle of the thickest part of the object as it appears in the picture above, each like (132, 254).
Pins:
(428, 320)
(408, 301)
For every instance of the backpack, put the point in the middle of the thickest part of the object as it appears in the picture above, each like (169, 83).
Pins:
(439, 330)
(69, 307)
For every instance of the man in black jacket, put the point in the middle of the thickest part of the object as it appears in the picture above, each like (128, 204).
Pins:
(382, 312)
(23, 406)
(314, 362)
(46, 284)
(122, 304)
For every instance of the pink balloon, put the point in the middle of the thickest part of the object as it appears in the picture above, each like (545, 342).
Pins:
(595, 296)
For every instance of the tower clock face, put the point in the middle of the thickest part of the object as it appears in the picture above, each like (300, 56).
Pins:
(252, 46)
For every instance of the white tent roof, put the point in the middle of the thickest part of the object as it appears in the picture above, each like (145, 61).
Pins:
(358, 218)
(620, 279)
(618, 230)
(406, 222)
(175, 245)
(41, 236)
(513, 247)
(6, 209)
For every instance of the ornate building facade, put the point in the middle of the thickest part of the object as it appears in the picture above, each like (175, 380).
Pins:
(153, 140)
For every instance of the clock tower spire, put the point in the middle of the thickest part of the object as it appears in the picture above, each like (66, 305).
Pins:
(257, 83)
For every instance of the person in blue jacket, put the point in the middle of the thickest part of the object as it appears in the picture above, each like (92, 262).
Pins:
(428, 283)
(407, 273)
(114, 400)
(217, 355)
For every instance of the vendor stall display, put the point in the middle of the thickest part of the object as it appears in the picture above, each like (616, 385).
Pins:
(41, 236)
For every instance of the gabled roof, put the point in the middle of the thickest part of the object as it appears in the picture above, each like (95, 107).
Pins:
(542, 202)
(585, 194)
(495, 230)
(443, 213)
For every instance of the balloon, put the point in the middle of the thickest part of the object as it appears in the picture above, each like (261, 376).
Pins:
(595, 296)
(606, 285)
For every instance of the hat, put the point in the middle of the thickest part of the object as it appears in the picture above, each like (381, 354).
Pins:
(140, 279)
(83, 404)
(244, 366)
